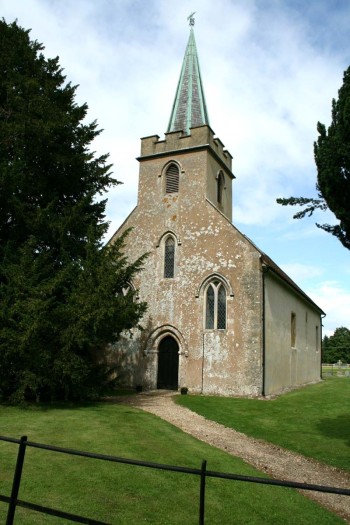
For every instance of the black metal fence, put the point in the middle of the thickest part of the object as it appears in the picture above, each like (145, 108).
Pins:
(202, 473)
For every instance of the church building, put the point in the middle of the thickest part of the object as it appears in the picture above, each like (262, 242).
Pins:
(222, 317)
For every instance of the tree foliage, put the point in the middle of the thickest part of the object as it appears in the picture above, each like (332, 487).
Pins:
(337, 346)
(332, 157)
(62, 293)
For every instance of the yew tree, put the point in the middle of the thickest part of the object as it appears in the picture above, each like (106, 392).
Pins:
(332, 157)
(61, 289)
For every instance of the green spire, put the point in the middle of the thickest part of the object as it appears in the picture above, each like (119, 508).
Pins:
(189, 108)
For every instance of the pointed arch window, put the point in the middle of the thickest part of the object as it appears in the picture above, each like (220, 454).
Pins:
(169, 257)
(172, 178)
(215, 306)
(128, 292)
(220, 187)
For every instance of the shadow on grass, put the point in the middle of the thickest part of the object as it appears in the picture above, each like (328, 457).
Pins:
(56, 405)
(43, 406)
(336, 428)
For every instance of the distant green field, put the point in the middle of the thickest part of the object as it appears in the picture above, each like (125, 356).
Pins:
(121, 494)
(313, 421)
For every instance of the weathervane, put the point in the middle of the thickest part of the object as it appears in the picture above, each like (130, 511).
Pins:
(191, 18)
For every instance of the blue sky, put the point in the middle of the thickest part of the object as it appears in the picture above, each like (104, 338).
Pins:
(270, 70)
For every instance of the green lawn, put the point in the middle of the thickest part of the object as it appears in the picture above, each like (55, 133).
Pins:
(126, 495)
(314, 421)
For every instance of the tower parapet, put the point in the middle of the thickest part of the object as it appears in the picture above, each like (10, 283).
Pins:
(199, 137)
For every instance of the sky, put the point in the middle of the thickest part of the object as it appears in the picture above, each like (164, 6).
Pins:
(270, 70)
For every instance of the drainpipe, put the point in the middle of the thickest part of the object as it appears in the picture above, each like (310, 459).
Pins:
(202, 365)
(321, 345)
(265, 269)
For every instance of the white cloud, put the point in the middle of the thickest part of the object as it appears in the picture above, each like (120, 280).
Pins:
(300, 272)
(334, 299)
(270, 70)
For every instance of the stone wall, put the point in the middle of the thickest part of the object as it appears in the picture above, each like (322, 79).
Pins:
(207, 245)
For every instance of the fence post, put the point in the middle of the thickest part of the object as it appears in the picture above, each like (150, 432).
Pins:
(16, 481)
(202, 493)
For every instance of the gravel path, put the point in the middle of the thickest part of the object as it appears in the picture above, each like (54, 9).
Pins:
(275, 461)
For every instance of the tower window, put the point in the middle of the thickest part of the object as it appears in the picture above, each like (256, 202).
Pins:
(169, 257)
(215, 306)
(220, 187)
(172, 179)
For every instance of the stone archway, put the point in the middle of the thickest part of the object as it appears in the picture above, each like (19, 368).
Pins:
(168, 364)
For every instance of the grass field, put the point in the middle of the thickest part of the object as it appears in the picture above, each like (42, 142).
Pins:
(126, 495)
(314, 421)
(335, 370)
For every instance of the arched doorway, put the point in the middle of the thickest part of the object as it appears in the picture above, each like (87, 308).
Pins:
(168, 364)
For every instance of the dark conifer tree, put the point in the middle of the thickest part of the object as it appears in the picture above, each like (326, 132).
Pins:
(60, 288)
(332, 157)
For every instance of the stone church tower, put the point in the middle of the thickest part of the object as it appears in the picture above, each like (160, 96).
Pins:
(222, 317)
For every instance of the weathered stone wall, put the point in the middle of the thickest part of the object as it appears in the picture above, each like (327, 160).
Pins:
(212, 178)
(225, 362)
(222, 361)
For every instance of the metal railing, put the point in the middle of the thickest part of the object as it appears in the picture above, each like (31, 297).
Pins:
(336, 369)
(202, 473)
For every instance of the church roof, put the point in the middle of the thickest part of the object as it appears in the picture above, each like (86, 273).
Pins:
(189, 108)
(271, 265)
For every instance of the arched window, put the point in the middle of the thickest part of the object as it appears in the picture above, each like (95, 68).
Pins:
(126, 289)
(169, 257)
(172, 179)
(220, 187)
(221, 309)
(215, 306)
(129, 290)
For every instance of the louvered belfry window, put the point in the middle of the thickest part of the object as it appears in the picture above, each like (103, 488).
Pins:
(172, 179)
(169, 258)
